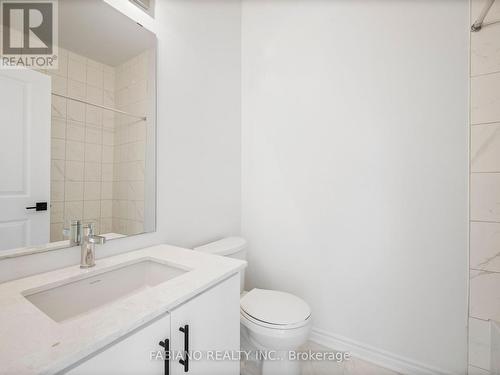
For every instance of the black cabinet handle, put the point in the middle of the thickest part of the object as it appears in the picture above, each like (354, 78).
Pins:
(166, 345)
(40, 206)
(185, 361)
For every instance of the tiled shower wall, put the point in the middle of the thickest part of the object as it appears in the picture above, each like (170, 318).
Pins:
(82, 144)
(132, 93)
(98, 157)
(485, 192)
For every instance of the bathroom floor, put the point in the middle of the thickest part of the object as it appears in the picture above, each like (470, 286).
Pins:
(353, 366)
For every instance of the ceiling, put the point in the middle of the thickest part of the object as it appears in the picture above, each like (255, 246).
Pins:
(96, 30)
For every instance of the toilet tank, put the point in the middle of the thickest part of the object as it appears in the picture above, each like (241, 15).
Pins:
(233, 247)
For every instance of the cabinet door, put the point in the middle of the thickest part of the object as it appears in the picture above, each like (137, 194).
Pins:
(135, 354)
(213, 322)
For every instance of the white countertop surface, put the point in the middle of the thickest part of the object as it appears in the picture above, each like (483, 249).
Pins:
(32, 343)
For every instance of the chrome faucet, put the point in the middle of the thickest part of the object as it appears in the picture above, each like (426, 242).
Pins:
(88, 242)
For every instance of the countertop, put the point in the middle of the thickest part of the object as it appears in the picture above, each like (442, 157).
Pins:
(32, 343)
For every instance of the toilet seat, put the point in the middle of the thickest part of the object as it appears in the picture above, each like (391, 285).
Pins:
(248, 318)
(274, 309)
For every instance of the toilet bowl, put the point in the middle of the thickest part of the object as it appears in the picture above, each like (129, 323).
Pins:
(273, 323)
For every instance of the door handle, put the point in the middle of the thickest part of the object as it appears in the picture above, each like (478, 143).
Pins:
(39, 206)
(185, 361)
(166, 345)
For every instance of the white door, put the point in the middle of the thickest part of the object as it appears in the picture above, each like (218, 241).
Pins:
(25, 107)
(213, 323)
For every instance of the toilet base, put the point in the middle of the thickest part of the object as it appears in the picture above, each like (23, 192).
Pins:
(265, 361)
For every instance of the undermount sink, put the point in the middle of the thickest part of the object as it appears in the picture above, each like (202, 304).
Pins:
(78, 297)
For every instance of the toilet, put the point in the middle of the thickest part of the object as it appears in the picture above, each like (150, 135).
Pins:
(273, 323)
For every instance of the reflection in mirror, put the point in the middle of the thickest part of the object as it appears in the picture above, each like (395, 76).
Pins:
(98, 137)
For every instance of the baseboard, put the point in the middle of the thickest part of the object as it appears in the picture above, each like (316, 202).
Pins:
(374, 355)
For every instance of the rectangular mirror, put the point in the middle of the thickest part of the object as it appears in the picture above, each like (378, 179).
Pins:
(78, 142)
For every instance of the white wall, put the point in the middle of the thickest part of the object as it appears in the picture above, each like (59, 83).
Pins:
(198, 181)
(200, 139)
(355, 170)
(354, 160)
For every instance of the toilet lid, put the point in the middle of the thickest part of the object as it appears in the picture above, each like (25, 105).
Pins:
(275, 307)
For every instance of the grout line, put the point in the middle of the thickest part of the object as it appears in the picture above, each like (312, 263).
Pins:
(485, 74)
(483, 270)
(485, 221)
(469, 168)
(486, 123)
(65, 151)
(84, 141)
(491, 123)
(481, 319)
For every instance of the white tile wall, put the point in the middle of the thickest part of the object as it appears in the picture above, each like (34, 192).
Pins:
(485, 197)
(73, 191)
(485, 56)
(484, 295)
(485, 242)
(76, 70)
(485, 53)
(98, 158)
(495, 347)
(479, 343)
(485, 98)
(57, 170)
(485, 188)
(131, 95)
(77, 144)
(76, 111)
(75, 150)
(59, 108)
(74, 171)
(58, 149)
(57, 191)
(485, 148)
(58, 128)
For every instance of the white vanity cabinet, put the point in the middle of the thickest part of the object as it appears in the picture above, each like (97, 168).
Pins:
(131, 355)
(213, 322)
(210, 327)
